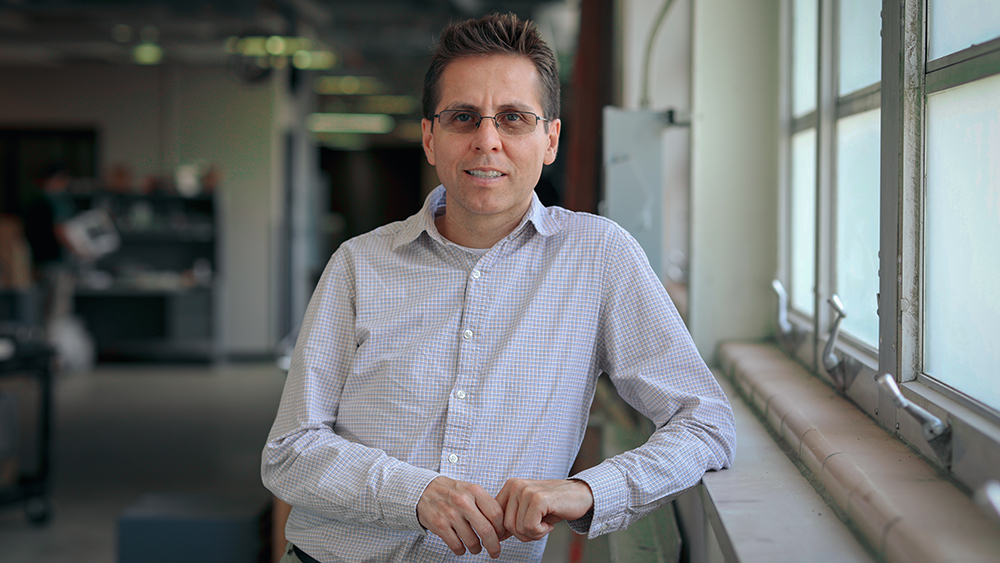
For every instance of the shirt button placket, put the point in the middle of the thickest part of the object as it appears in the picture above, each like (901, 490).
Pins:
(459, 411)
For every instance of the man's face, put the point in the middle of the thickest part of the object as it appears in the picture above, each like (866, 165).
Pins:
(489, 175)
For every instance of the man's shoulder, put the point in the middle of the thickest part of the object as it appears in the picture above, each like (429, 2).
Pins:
(577, 222)
(383, 238)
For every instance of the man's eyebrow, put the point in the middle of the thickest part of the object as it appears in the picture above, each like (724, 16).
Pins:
(462, 106)
(512, 106)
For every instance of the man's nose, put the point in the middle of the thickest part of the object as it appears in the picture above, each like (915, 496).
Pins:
(487, 135)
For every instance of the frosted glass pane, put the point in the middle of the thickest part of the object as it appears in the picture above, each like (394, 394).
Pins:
(860, 45)
(805, 49)
(803, 227)
(958, 24)
(857, 223)
(962, 239)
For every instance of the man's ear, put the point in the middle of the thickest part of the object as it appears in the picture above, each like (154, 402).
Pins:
(553, 137)
(426, 127)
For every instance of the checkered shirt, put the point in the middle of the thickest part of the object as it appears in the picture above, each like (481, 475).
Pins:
(417, 358)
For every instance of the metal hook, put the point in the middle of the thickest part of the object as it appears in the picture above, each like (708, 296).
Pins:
(784, 326)
(937, 432)
(830, 360)
(932, 426)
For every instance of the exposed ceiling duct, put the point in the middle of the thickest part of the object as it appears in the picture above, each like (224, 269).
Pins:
(387, 38)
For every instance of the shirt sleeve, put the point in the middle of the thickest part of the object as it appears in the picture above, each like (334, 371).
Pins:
(652, 361)
(305, 462)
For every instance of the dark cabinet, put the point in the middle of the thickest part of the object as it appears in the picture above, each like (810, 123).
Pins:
(154, 296)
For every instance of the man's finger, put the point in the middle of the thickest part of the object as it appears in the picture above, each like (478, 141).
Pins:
(451, 539)
(504, 495)
(501, 499)
(493, 531)
(469, 536)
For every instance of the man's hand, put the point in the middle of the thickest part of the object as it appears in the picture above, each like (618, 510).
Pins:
(462, 514)
(533, 508)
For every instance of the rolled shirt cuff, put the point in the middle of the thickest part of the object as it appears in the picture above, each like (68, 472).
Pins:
(398, 500)
(611, 495)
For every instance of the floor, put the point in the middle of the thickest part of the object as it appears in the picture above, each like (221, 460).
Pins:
(126, 430)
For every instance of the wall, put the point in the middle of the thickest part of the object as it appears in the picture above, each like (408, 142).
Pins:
(733, 170)
(154, 118)
(122, 103)
(216, 119)
(719, 60)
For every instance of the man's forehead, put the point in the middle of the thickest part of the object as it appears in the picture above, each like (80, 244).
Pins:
(461, 93)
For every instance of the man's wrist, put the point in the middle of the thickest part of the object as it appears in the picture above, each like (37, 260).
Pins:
(399, 497)
(584, 490)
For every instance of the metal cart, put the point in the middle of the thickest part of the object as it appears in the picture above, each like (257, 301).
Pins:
(25, 420)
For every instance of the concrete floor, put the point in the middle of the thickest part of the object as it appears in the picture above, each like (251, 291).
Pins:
(127, 430)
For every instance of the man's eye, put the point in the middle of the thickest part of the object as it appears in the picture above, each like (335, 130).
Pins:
(464, 117)
(512, 117)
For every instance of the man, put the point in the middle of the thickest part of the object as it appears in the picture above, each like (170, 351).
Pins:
(441, 384)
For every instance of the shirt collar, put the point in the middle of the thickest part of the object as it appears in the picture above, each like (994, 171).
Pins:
(423, 222)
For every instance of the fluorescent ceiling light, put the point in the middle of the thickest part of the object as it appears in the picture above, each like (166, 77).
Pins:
(147, 53)
(347, 85)
(350, 123)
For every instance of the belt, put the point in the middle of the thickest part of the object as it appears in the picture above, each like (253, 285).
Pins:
(303, 556)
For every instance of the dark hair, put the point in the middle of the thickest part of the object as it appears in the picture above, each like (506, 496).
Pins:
(494, 34)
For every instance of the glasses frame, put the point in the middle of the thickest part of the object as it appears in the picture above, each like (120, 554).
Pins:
(494, 117)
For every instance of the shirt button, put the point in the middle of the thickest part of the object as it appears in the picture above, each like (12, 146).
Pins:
(476, 274)
(453, 458)
(467, 335)
(460, 394)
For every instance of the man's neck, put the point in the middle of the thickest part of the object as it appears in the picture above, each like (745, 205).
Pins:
(477, 233)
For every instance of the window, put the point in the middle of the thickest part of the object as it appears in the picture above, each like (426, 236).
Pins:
(833, 176)
(962, 209)
(802, 238)
(857, 229)
(892, 196)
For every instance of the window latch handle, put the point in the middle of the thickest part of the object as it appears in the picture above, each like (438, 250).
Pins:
(937, 432)
(830, 360)
(784, 326)
(932, 426)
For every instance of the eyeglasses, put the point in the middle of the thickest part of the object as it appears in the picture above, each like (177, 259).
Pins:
(463, 122)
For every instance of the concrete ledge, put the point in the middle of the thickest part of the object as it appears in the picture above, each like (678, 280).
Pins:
(763, 509)
(903, 508)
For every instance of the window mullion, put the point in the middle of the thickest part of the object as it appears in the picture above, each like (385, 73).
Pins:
(825, 204)
(785, 130)
(900, 298)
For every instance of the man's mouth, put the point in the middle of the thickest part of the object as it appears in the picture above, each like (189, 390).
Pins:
(485, 174)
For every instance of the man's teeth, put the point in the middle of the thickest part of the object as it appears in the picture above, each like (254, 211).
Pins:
(485, 173)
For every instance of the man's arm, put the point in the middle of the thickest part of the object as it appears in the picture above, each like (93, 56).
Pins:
(653, 363)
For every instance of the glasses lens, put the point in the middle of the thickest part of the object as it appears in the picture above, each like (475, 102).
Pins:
(516, 122)
(459, 121)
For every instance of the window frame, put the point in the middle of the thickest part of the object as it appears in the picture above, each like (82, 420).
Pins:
(907, 79)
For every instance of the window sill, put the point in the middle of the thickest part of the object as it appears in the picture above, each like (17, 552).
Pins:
(764, 509)
(900, 505)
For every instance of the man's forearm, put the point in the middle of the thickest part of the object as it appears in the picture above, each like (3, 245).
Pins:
(321, 472)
